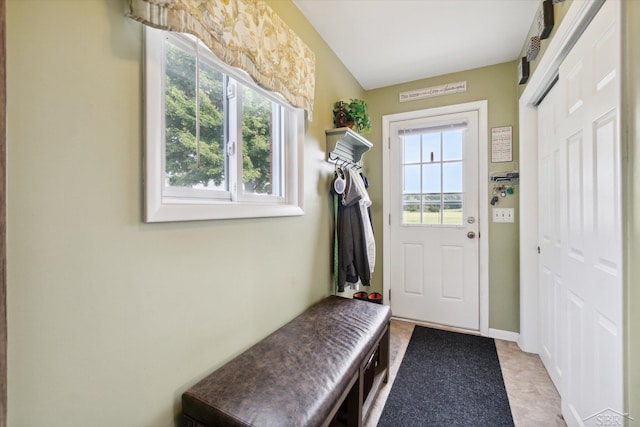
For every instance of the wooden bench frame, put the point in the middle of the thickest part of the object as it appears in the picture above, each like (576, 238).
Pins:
(355, 393)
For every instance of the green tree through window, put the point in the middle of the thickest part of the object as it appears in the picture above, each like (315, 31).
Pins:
(182, 167)
(256, 136)
(188, 165)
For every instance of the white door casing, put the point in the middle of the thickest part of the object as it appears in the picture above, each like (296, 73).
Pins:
(551, 285)
(435, 271)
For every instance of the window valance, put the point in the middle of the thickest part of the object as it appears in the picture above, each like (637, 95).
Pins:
(246, 34)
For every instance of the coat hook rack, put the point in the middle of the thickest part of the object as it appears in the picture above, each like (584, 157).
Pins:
(343, 144)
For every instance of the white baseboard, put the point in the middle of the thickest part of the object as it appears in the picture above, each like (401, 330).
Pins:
(504, 335)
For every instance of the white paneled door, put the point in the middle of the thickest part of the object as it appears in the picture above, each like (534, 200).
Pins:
(580, 226)
(433, 181)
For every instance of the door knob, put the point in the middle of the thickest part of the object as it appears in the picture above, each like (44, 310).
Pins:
(471, 235)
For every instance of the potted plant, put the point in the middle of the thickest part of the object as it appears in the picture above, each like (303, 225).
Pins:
(352, 114)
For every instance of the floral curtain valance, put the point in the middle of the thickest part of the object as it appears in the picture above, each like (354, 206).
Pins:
(246, 34)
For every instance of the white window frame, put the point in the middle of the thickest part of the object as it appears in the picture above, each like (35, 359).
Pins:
(161, 207)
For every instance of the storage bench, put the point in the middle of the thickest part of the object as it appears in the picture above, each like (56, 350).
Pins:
(316, 370)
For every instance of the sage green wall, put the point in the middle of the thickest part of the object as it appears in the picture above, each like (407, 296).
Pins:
(497, 84)
(111, 319)
(631, 205)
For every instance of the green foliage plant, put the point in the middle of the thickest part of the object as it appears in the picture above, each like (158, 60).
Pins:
(356, 111)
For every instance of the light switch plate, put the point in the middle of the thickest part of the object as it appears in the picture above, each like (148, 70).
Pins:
(503, 214)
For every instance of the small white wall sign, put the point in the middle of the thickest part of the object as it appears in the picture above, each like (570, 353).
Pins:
(502, 144)
(430, 92)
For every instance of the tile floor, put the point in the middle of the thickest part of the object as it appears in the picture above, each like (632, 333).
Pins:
(533, 398)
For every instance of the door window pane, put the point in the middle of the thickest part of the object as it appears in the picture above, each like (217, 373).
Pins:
(411, 209)
(452, 177)
(412, 179)
(452, 212)
(412, 148)
(431, 147)
(453, 198)
(431, 209)
(431, 178)
(452, 145)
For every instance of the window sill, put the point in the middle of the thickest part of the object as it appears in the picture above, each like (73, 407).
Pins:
(168, 212)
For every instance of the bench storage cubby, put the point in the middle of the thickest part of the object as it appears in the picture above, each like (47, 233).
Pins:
(323, 368)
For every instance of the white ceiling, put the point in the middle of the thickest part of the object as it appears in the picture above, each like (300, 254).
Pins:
(385, 42)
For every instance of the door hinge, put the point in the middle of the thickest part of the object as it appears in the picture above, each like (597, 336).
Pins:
(389, 143)
(389, 296)
(538, 249)
(389, 219)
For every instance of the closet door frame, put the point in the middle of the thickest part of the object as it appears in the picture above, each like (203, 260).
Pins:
(574, 23)
(3, 217)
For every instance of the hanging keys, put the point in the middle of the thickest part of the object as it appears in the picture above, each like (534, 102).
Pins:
(494, 199)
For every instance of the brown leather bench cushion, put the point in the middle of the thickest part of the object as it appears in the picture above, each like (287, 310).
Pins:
(295, 376)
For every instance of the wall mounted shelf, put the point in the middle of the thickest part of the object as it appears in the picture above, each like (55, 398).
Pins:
(345, 144)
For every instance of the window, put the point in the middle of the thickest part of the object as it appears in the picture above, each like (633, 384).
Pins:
(433, 176)
(217, 145)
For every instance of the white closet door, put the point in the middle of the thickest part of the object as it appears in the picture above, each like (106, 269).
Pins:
(581, 238)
